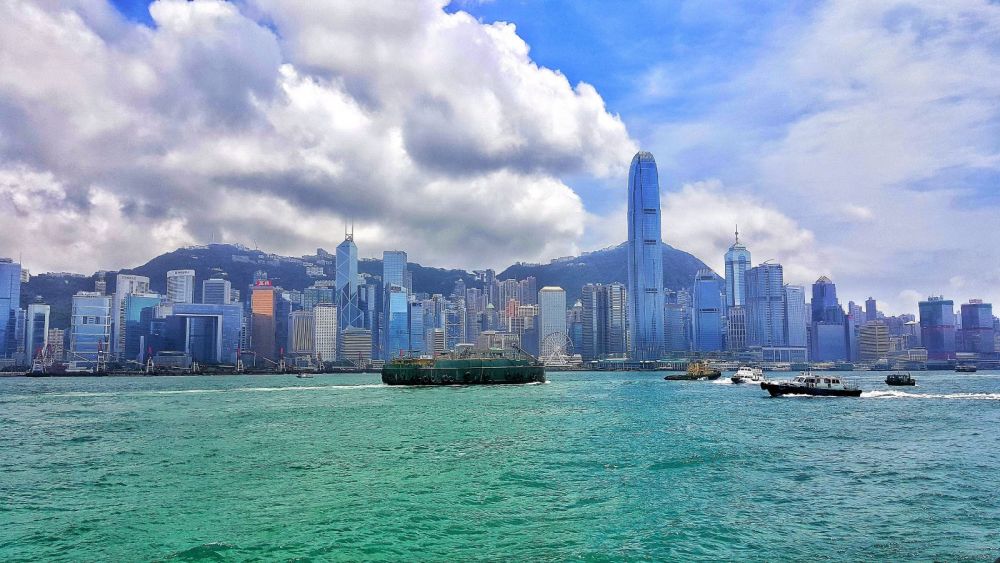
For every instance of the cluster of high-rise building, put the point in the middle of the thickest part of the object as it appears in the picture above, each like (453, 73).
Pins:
(750, 313)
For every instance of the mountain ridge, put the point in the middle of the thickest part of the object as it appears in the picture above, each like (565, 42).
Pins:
(239, 263)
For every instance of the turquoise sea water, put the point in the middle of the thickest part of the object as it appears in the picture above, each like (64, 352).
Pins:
(592, 466)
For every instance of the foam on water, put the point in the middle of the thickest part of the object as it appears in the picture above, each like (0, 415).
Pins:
(893, 394)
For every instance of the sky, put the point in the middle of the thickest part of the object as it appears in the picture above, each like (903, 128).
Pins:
(854, 139)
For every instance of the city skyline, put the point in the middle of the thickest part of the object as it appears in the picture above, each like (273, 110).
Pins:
(803, 172)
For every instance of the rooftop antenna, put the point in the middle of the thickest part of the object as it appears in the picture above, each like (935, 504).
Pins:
(737, 233)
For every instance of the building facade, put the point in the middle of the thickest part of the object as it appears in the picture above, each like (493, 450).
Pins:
(90, 329)
(180, 286)
(216, 291)
(645, 260)
(766, 306)
(10, 303)
(937, 327)
(552, 332)
(263, 329)
(708, 312)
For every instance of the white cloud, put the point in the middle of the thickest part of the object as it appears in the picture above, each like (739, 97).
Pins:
(854, 119)
(279, 122)
(702, 217)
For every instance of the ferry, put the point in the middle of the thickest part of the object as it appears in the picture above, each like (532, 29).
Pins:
(966, 368)
(748, 374)
(466, 367)
(814, 385)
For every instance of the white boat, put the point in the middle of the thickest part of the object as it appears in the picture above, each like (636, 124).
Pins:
(810, 384)
(748, 374)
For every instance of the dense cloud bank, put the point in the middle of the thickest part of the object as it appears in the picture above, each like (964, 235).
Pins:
(280, 122)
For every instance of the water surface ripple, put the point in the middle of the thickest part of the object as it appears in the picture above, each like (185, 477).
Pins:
(588, 466)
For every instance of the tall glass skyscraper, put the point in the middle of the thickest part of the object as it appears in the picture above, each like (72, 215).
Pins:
(645, 260)
(737, 264)
(397, 323)
(10, 302)
(707, 327)
(937, 327)
(347, 287)
(766, 306)
(393, 268)
(90, 328)
(978, 334)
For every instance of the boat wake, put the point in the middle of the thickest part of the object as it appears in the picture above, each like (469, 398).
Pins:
(892, 394)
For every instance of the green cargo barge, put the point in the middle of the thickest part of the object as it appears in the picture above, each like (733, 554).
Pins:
(489, 367)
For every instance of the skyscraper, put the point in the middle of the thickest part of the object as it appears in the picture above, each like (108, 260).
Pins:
(871, 309)
(263, 305)
(302, 333)
(347, 287)
(603, 320)
(216, 291)
(552, 332)
(180, 286)
(394, 268)
(766, 306)
(978, 333)
(417, 342)
(325, 324)
(37, 329)
(829, 339)
(645, 260)
(135, 325)
(125, 284)
(395, 307)
(937, 327)
(796, 331)
(10, 302)
(397, 317)
(737, 264)
(90, 328)
(707, 327)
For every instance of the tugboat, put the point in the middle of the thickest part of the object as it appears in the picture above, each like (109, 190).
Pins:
(748, 374)
(695, 371)
(466, 367)
(815, 385)
(965, 368)
(900, 379)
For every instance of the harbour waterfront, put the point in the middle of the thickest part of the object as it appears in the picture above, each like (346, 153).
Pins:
(588, 465)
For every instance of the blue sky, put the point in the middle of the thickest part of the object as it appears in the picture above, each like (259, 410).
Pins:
(851, 139)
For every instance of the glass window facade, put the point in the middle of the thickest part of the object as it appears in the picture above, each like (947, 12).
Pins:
(645, 260)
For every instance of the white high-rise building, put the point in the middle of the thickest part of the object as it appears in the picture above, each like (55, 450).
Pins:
(180, 286)
(125, 284)
(325, 326)
(551, 320)
(302, 333)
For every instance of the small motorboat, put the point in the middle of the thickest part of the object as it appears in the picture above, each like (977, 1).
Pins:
(748, 374)
(900, 379)
(304, 375)
(814, 385)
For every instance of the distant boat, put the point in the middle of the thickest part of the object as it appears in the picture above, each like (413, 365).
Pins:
(814, 385)
(748, 374)
(900, 379)
(966, 368)
(695, 371)
(304, 375)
